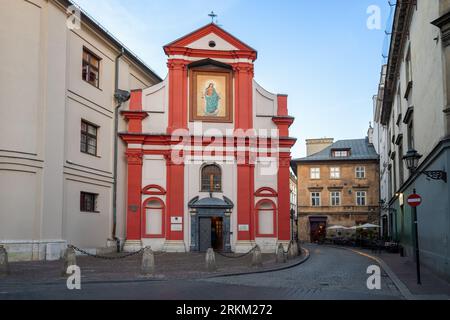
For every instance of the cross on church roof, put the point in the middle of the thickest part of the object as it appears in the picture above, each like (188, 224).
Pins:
(213, 16)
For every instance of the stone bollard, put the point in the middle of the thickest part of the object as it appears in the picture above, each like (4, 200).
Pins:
(211, 260)
(292, 250)
(296, 248)
(299, 246)
(257, 257)
(70, 259)
(148, 261)
(281, 257)
(4, 265)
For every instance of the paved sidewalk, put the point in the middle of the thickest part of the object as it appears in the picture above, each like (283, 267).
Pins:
(168, 266)
(405, 269)
(403, 272)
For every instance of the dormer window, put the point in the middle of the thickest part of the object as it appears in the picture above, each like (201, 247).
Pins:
(340, 153)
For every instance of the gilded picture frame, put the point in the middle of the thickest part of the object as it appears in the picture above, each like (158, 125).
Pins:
(211, 97)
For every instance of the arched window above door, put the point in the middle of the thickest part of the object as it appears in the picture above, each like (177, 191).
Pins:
(211, 178)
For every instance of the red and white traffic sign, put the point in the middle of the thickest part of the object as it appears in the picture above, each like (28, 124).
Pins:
(414, 200)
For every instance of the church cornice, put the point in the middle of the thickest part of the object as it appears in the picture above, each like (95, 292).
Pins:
(214, 54)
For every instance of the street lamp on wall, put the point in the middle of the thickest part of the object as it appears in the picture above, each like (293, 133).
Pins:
(412, 158)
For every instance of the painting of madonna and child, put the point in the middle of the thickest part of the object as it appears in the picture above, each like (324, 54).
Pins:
(211, 97)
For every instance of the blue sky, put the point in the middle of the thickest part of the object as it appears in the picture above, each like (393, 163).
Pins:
(319, 52)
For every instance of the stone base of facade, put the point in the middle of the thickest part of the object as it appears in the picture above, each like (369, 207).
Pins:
(244, 246)
(156, 244)
(267, 245)
(174, 246)
(32, 250)
(132, 245)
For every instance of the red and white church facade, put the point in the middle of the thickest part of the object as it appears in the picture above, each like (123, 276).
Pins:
(208, 152)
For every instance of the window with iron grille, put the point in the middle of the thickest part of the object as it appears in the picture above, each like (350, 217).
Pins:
(211, 178)
(88, 202)
(88, 143)
(91, 67)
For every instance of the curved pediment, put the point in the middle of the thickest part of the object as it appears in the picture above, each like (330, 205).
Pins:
(266, 192)
(211, 202)
(154, 190)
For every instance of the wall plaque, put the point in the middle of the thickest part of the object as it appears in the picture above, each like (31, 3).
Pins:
(176, 219)
(243, 227)
(176, 227)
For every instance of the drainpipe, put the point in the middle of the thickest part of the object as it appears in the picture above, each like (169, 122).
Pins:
(121, 97)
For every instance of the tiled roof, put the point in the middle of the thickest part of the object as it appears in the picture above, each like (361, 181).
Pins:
(360, 149)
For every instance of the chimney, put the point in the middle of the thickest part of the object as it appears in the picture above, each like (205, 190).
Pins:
(314, 146)
(370, 134)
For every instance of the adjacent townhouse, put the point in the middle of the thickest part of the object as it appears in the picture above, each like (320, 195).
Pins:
(58, 108)
(380, 134)
(413, 112)
(337, 185)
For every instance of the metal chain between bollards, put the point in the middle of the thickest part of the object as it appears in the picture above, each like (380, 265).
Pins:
(239, 256)
(105, 257)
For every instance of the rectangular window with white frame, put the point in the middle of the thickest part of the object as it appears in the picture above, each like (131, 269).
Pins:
(335, 173)
(315, 199)
(314, 173)
(340, 153)
(360, 172)
(361, 198)
(335, 198)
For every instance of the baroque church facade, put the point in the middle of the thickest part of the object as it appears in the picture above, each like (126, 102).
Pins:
(208, 152)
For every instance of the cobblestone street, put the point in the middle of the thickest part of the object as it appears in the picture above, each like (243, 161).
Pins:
(330, 273)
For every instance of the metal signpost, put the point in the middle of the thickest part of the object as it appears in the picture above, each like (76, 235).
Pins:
(414, 200)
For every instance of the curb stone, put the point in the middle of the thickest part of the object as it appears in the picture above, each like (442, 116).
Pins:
(284, 267)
